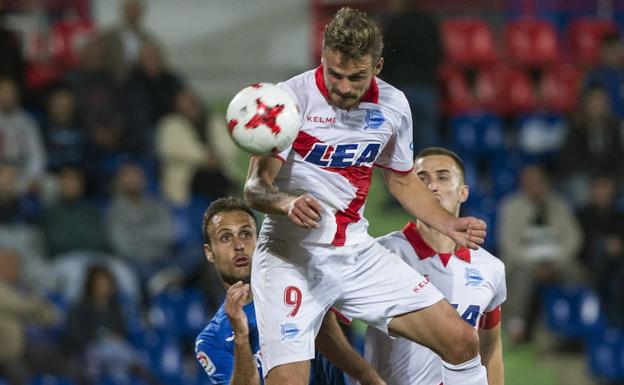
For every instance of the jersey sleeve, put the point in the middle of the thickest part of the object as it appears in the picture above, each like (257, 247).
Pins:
(216, 359)
(282, 155)
(398, 153)
(500, 291)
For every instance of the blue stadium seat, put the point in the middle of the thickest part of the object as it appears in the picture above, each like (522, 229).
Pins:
(540, 135)
(606, 354)
(48, 379)
(163, 353)
(477, 134)
(572, 311)
(182, 313)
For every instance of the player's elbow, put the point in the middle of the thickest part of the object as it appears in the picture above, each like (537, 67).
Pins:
(464, 348)
(250, 193)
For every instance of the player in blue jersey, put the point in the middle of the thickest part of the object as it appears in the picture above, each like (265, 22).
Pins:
(229, 347)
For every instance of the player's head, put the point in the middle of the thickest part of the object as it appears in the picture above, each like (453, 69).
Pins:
(229, 229)
(352, 47)
(443, 172)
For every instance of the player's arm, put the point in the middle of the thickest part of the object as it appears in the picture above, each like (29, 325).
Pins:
(419, 202)
(262, 195)
(491, 348)
(333, 344)
(245, 371)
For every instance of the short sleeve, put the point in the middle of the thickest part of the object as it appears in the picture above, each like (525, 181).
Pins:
(398, 155)
(500, 291)
(283, 155)
(216, 359)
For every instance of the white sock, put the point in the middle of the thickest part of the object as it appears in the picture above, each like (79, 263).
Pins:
(468, 373)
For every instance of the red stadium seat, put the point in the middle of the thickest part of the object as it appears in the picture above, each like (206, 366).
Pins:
(467, 42)
(559, 88)
(66, 37)
(459, 96)
(531, 43)
(585, 37)
(519, 93)
(456, 94)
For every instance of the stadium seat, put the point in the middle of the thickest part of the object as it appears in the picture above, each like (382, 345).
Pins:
(477, 134)
(178, 312)
(66, 38)
(540, 135)
(585, 37)
(606, 354)
(163, 352)
(519, 92)
(467, 42)
(572, 311)
(531, 42)
(48, 379)
(560, 88)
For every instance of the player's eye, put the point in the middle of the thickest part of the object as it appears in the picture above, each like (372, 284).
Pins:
(356, 78)
(245, 234)
(225, 237)
(443, 178)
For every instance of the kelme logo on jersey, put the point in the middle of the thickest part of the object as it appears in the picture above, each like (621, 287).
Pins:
(289, 331)
(473, 277)
(374, 119)
(343, 155)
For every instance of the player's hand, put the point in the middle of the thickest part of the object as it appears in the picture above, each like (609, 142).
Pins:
(468, 232)
(305, 211)
(235, 299)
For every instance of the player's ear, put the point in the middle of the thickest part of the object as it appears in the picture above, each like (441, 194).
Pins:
(464, 192)
(208, 253)
(378, 66)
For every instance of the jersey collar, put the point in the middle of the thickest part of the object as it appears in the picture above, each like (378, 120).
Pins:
(370, 96)
(423, 250)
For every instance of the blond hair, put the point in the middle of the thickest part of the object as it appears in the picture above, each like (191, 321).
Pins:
(354, 34)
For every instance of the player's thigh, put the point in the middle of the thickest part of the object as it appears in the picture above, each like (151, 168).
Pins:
(294, 373)
(439, 328)
(289, 305)
(380, 285)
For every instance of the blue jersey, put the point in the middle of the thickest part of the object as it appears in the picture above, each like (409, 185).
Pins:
(214, 349)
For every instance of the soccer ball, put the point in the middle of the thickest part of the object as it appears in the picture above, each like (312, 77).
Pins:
(263, 119)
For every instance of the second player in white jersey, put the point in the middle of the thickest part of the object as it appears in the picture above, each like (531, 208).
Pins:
(473, 281)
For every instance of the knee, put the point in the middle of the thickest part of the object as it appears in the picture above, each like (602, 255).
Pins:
(464, 346)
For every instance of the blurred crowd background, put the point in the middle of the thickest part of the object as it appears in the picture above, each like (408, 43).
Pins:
(111, 148)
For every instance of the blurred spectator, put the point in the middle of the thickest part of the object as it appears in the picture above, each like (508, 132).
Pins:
(189, 147)
(15, 209)
(65, 138)
(593, 144)
(97, 332)
(603, 254)
(19, 358)
(609, 72)
(17, 231)
(539, 239)
(412, 56)
(97, 96)
(20, 137)
(11, 61)
(73, 223)
(123, 41)
(148, 96)
(140, 227)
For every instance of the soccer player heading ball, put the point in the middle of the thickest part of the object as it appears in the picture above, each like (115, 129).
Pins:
(351, 122)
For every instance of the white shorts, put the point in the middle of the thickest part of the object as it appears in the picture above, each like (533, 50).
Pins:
(294, 285)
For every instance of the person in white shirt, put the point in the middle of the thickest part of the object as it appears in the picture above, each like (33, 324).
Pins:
(314, 251)
(473, 281)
